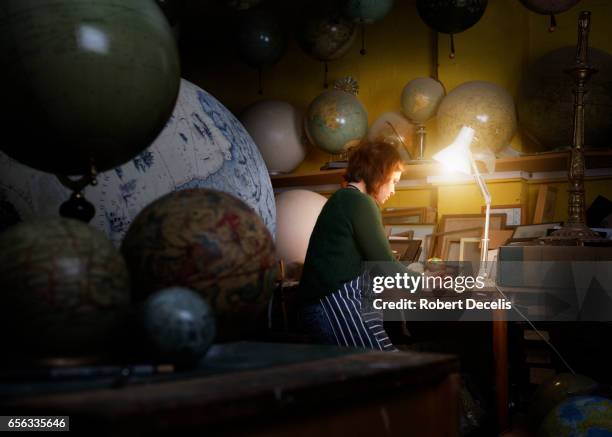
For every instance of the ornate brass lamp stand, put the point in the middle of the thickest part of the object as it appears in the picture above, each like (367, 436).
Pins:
(575, 232)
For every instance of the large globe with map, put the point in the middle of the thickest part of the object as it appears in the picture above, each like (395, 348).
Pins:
(335, 121)
(580, 416)
(210, 242)
(202, 145)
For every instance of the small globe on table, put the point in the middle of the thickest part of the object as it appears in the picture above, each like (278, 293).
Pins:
(581, 416)
(335, 121)
(212, 243)
(178, 325)
(65, 291)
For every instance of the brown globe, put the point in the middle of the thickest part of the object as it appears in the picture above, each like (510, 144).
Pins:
(212, 243)
(65, 291)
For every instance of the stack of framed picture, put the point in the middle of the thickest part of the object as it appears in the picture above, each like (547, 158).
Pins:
(409, 231)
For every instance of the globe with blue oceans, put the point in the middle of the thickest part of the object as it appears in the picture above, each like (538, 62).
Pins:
(335, 121)
(581, 416)
(201, 145)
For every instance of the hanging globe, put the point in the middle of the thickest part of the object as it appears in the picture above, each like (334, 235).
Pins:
(368, 11)
(212, 243)
(324, 32)
(65, 291)
(277, 129)
(395, 129)
(261, 40)
(170, 8)
(451, 16)
(546, 101)
(178, 325)
(86, 82)
(549, 7)
(336, 120)
(420, 99)
(483, 106)
(202, 145)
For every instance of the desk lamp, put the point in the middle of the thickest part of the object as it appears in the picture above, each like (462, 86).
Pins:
(459, 157)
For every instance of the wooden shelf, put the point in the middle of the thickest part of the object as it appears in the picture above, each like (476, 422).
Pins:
(541, 162)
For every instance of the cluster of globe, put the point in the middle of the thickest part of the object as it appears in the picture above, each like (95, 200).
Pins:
(153, 140)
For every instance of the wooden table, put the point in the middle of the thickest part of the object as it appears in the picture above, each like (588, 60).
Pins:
(268, 389)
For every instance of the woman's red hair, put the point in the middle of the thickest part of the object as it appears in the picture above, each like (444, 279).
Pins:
(374, 164)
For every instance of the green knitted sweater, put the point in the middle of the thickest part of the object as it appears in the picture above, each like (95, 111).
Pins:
(348, 232)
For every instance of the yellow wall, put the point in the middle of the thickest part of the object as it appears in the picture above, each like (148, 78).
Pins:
(497, 49)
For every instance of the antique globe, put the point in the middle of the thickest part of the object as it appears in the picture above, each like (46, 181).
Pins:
(212, 243)
(178, 325)
(261, 40)
(86, 82)
(324, 32)
(420, 99)
(395, 129)
(556, 390)
(202, 145)
(549, 7)
(65, 291)
(297, 212)
(278, 131)
(367, 11)
(336, 120)
(579, 416)
(485, 107)
(546, 101)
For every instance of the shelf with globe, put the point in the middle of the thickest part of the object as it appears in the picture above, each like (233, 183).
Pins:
(548, 163)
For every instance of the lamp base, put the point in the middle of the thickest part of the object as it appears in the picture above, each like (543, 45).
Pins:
(573, 235)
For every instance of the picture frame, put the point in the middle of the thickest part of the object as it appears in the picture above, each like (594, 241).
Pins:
(533, 231)
(406, 249)
(418, 215)
(420, 231)
(472, 224)
(516, 214)
(546, 200)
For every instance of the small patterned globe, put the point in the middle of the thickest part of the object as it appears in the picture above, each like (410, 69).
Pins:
(212, 243)
(65, 290)
(580, 416)
(178, 325)
(335, 121)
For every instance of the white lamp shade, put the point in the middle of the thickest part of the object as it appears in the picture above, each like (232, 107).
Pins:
(456, 157)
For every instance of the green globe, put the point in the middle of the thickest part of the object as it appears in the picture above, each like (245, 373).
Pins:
(64, 288)
(212, 243)
(336, 120)
(581, 416)
(84, 81)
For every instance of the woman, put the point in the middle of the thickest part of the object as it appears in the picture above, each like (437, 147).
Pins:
(349, 232)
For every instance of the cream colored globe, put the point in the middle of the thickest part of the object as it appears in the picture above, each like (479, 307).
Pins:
(277, 129)
(485, 107)
(296, 214)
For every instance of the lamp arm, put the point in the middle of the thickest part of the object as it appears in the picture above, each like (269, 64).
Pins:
(484, 250)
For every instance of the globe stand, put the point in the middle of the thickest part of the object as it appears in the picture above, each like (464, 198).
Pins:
(421, 134)
(77, 207)
(575, 232)
(336, 161)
